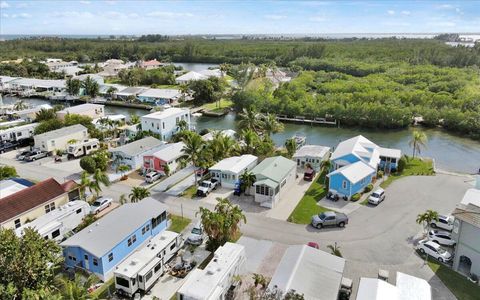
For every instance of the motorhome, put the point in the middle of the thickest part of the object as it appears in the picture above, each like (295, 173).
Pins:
(59, 222)
(140, 271)
(82, 148)
(18, 133)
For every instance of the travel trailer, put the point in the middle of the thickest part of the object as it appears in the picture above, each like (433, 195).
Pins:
(18, 133)
(82, 148)
(140, 271)
(58, 222)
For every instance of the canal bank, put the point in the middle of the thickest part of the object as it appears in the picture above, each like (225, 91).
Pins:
(451, 152)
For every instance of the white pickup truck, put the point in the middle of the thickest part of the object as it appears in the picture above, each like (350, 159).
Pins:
(206, 187)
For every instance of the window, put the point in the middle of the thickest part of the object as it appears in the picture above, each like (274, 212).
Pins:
(163, 125)
(157, 267)
(283, 182)
(122, 281)
(110, 257)
(85, 256)
(55, 233)
(173, 246)
(298, 162)
(53, 143)
(257, 189)
(79, 211)
(344, 184)
(134, 238)
(95, 262)
(129, 242)
(148, 276)
(140, 278)
(156, 221)
(17, 223)
(262, 190)
(49, 207)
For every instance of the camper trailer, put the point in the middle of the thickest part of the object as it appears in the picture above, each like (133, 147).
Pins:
(58, 222)
(18, 133)
(140, 271)
(82, 148)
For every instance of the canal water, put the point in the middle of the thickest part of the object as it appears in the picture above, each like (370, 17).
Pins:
(451, 152)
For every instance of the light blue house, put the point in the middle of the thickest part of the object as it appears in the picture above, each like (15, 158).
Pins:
(228, 170)
(100, 247)
(355, 163)
(160, 96)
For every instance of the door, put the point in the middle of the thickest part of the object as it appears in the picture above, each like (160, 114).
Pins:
(86, 262)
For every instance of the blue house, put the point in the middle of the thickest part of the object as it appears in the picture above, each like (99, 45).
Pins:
(355, 163)
(100, 247)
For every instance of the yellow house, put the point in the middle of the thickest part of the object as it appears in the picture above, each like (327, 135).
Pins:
(35, 201)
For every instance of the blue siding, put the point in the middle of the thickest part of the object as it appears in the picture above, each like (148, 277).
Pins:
(359, 186)
(336, 183)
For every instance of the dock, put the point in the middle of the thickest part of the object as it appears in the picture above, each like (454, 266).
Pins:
(304, 120)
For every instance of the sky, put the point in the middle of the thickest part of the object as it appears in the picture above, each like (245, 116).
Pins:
(237, 17)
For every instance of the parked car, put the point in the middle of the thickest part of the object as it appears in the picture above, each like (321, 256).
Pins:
(34, 155)
(434, 250)
(441, 237)
(329, 218)
(196, 235)
(313, 245)
(444, 222)
(376, 197)
(8, 146)
(152, 176)
(100, 204)
(206, 187)
(309, 175)
(22, 155)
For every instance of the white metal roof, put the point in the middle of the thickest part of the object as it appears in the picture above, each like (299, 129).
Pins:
(170, 152)
(311, 272)
(205, 284)
(354, 172)
(140, 258)
(169, 112)
(376, 289)
(472, 196)
(138, 147)
(312, 151)
(9, 187)
(5, 79)
(413, 288)
(211, 72)
(227, 132)
(192, 75)
(19, 128)
(81, 108)
(131, 91)
(65, 131)
(356, 145)
(235, 164)
(390, 152)
(107, 232)
(42, 83)
(33, 109)
(161, 93)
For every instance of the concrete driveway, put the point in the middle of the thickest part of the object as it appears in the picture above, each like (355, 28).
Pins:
(173, 179)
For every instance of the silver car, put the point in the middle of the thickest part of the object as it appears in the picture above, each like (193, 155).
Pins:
(196, 235)
(100, 204)
(377, 197)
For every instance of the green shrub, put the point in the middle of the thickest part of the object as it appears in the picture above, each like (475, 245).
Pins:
(356, 197)
(401, 164)
(368, 188)
(379, 174)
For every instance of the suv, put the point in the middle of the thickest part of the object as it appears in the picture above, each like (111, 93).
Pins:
(309, 175)
(152, 176)
(377, 197)
(444, 222)
(7, 146)
(196, 235)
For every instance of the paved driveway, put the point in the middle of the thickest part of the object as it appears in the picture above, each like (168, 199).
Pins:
(173, 179)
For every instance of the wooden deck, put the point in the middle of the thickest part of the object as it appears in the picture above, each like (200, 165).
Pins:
(304, 120)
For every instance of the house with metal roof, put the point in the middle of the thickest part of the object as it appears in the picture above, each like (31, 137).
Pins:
(168, 155)
(215, 280)
(314, 273)
(355, 163)
(312, 156)
(58, 139)
(190, 76)
(407, 288)
(228, 170)
(274, 176)
(91, 110)
(101, 246)
(132, 91)
(466, 231)
(131, 154)
(165, 122)
(27, 204)
(226, 133)
(160, 96)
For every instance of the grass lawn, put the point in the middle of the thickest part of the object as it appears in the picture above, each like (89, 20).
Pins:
(190, 193)
(178, 223)
(307, 207)
(459, 285)
(165, 86)
(103, 292)
(414, 166)
(224, 103)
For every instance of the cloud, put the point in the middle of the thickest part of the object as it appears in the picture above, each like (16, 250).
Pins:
(168, 14)
(4, 4)
(111, 2)
(391, 12)
(21, 16)
(405, 12)
(275, 17)
(317, 19)
(445, 6)
(72, 14)
(5, 15)
(443, 24)
(85, 2)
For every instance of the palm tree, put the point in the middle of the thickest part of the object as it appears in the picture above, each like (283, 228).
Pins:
(122, 199)
(335, 250)
(73, 86)
(184, 89)
(45, 114)
(123, 169)
(99, 178)
(138, 193)
(85, 182)
(291, 146)
(134, 119)
(427, 218)
(248, 179)
(325, 169)
(418, 141)
(250, 141)
(91, 87)
(249, 119)
(182, 125)
(111, 90)
(271, 125)
(76, 289)
(20, 105)
(192, 149)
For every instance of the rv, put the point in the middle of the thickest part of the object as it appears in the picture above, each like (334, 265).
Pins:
(82, 148)
(18, 133)
(59, 222)
(140, 271)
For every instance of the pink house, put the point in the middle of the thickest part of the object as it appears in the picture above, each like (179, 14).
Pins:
(150, 64)
(169, 154)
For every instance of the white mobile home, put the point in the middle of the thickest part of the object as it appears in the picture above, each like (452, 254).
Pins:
(93, 111)
(311, 155)
(141, 270)
(229, 170)
(213, 282)
(165, 122)
(18, 133)
(58, 222)
(58, 139)
(82, 148)
(132, 154)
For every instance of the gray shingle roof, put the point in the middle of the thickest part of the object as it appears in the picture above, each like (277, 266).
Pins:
(107, 232)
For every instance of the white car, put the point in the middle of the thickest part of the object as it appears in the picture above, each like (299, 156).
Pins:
(441, 237)
(152, 176)
(100, 204)
(434, 250)
(377, 197)
(196, 235)
(444, 222)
